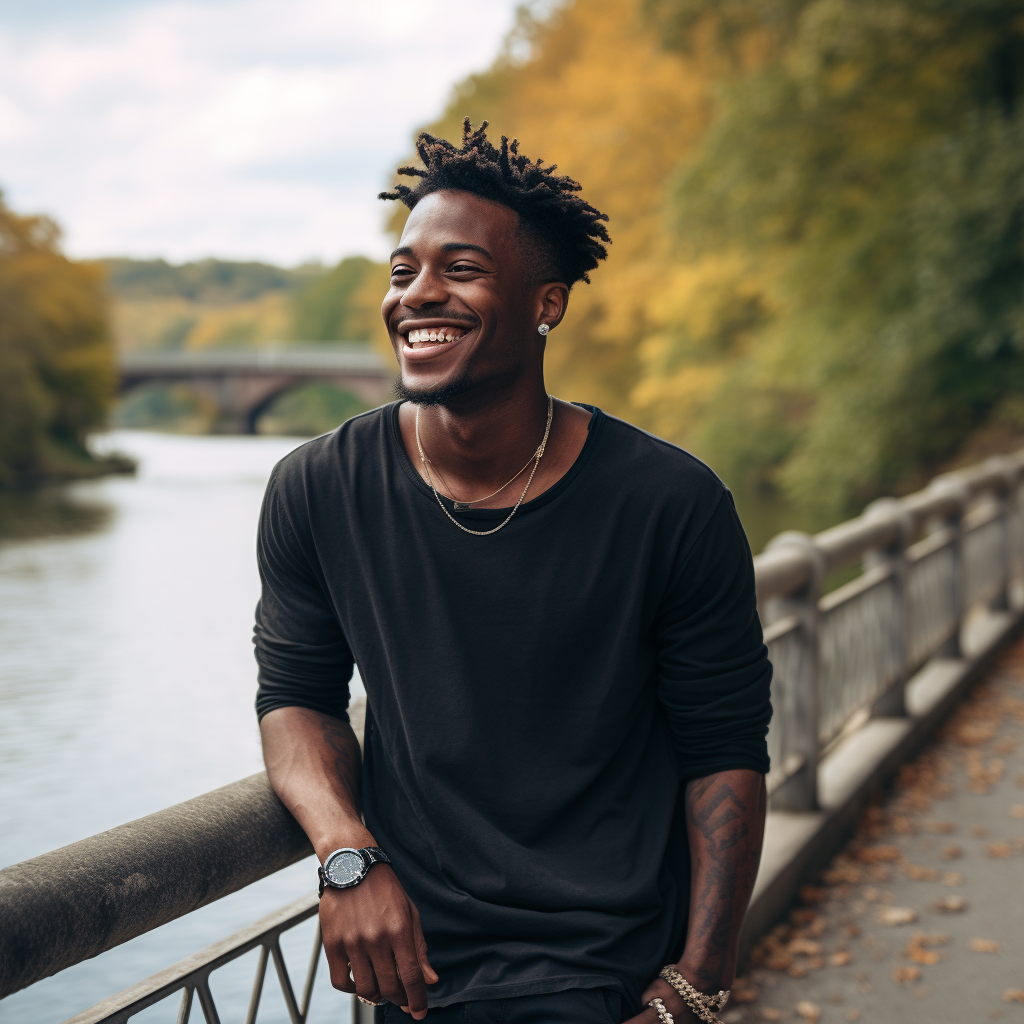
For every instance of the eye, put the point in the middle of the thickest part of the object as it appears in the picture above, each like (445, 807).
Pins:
(463, 268)
(401, 269)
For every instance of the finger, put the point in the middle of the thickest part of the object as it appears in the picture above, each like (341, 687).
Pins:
(338, 966)
(364, 976)
(388, 981)
(411, 978)
(428, 972)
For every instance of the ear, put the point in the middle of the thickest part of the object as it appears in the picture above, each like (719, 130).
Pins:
(552, 302)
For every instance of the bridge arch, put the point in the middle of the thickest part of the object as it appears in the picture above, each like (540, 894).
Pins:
(243, 383)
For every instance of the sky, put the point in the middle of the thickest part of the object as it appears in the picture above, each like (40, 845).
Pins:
(242, 129)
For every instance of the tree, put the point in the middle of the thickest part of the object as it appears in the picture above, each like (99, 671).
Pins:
(57, 372)
(871, 172)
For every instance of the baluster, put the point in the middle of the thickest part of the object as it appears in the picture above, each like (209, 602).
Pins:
(892, 704)
(800, 791)
(1006, 503)
(951, 488)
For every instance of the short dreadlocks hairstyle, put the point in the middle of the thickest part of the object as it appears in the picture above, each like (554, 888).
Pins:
(566, 231)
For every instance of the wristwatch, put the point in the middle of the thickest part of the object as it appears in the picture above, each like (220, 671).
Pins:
(348, 867)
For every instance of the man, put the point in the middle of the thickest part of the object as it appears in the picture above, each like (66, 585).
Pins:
(562, 787)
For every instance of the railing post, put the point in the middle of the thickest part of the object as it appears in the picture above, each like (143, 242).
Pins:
(1006, 500)
(800, 791)
(956, 491)
(892, 703)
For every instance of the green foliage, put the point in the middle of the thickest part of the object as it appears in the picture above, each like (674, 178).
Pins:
(331, 307)
(56, 356)
(173, 408)
(206, 281)
(873, 172)
(309, 411)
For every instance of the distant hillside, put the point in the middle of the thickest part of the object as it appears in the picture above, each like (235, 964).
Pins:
(159, 305)
(207, 281)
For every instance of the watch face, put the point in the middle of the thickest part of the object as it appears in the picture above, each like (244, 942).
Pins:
(344, 868)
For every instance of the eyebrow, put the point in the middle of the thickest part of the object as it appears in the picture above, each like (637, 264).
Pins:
(405, 250)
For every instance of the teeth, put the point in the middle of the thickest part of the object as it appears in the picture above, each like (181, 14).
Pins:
(437, 335)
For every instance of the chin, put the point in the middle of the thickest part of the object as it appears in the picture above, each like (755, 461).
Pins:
(433, 393)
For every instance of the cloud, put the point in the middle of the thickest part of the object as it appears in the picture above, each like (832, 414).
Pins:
(242, 128)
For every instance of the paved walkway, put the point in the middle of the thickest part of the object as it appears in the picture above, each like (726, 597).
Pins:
(921, 917)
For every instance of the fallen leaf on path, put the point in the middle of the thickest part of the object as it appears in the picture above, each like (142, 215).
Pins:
(929, 940)
(952, 852)
(952, 878)
(951, 905)
(983, 945)
(813, 894)
(903, 975)
(979, 831)
(769, 1014)
(943, 828)
(917, 873)
(877, 854)
(841, 959)
(972, 733)
(806, 947)
(892, 916)
(1000, 851)
(1013, 995)
(808, 1010)
(1017, 811)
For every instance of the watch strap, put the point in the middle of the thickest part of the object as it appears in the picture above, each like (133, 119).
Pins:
(375, 855)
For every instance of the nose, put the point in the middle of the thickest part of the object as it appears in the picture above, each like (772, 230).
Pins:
(428, 289)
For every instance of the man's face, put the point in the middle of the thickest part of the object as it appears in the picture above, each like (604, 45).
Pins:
(460, 310)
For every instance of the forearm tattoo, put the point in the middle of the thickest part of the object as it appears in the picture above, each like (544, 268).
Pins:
(725, 825)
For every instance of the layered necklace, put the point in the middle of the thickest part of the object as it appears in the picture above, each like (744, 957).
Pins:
(534, 458)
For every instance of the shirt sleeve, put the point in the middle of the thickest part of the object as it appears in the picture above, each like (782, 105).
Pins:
(714, 675)
(303, 657)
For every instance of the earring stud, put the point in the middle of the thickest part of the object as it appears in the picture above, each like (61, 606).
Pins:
(543, 330)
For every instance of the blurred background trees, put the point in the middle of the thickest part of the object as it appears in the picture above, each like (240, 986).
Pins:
(817, 206)
(56, 357)
(818, 216)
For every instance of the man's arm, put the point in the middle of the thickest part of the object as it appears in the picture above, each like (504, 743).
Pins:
(313, 761)
(725, 825)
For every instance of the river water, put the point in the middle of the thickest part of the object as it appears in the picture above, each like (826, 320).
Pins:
(126, 685)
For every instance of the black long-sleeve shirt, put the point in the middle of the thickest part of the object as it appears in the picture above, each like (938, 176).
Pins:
(536, 698)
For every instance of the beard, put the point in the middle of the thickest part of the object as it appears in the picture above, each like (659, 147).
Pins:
(443, 394)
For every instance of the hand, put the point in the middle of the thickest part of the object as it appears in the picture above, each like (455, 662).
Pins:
(681, 1013)
(374, 930)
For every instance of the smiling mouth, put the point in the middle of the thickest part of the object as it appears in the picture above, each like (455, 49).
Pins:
(433, 336)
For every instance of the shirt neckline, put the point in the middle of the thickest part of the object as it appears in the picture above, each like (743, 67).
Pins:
(597, 418)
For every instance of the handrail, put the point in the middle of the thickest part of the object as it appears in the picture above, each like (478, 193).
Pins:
(81, 900)
(834, 659)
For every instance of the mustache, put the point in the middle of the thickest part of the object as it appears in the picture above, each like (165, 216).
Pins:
(436, 314)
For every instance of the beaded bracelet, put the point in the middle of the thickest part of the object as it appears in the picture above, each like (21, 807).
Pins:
(704, 1006)
(664, 1017)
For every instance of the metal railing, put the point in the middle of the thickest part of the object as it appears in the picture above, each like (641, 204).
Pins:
(930, 562)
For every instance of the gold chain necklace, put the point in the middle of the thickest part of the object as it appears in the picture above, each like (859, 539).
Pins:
(459, 504)
(535, 459)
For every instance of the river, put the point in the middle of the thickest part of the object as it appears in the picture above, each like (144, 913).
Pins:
(126, 684)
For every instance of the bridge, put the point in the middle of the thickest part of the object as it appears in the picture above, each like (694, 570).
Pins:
(866, 674)
(243, 383)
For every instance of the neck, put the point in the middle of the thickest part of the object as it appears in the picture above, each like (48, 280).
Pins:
(477, 444)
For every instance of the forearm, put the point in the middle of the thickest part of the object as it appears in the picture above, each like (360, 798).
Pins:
(313, 762)
(725, 815)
